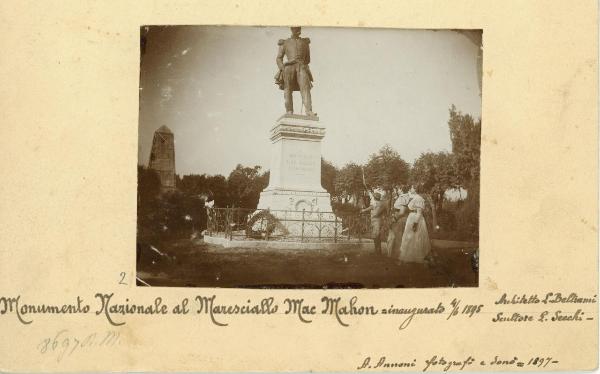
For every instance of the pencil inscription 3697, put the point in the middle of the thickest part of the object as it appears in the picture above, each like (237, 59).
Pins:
(64, 343)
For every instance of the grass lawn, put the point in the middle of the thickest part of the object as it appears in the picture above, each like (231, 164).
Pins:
(197, 264)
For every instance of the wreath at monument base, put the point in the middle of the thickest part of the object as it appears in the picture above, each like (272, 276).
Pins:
(264, 224)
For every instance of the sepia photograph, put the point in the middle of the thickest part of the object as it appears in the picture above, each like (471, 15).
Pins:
(308, 157)
(401, 186)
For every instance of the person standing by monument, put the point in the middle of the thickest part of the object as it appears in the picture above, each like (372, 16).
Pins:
(377, 208)
(397, 224)
(294, 74)
(416, 245)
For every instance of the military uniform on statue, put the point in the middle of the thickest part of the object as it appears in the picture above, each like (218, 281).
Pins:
(294, 74)
(295, 192)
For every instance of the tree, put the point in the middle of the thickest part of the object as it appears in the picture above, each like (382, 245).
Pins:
(217, 187)
(163, 216)
(261, 182)
(181, 212)
(435, 173)
(192, 184)
(148, 184)
(387, 170)
(245, 184)
(328, 175)
(195, 185)
(348, 183)
(148, 196)
(465, 134)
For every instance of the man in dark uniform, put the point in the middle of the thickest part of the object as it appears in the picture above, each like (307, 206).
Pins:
(294, 74)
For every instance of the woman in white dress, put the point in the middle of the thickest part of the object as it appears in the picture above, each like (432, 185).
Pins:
(415, 241)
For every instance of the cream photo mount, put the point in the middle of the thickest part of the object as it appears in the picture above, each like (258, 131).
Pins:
(68, 216)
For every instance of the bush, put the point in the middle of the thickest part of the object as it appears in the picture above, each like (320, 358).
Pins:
(446, 220)
(164, 217)
(458, 220)
(344, 209)
(467, 219)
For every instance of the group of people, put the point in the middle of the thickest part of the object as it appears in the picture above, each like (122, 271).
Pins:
(408, 238)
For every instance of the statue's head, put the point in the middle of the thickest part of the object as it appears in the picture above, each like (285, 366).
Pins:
(296, 30)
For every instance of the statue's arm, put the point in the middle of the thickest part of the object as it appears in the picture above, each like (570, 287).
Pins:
(307, 51)
(280, 54)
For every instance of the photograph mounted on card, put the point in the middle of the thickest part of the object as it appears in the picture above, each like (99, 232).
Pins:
(290, 186)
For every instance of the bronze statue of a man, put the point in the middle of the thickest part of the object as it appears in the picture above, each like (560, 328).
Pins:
(294, 74)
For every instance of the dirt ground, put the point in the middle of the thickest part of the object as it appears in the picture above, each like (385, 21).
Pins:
(197, 264)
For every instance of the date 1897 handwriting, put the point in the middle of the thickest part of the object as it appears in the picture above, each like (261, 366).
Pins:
(442, 363)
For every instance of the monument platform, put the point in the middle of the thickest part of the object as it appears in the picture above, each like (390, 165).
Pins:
(295, 177)
(354, 244)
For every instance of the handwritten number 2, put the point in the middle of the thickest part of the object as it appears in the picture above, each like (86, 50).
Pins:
(122, 281)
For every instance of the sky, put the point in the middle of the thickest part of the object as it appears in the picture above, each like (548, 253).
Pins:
(213, 86)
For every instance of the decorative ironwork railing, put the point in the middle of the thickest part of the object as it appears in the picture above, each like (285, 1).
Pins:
(304, 226)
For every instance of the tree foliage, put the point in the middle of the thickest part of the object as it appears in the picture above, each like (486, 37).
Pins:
(193, 184)
(245, 184)
(214, 186)
(349, 184)
(148, 184)
(465, 134)
(148, 193)
(435, 173)
(386, 170)
(328, 176)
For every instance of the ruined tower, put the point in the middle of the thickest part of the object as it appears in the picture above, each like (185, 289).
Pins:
(162, 157)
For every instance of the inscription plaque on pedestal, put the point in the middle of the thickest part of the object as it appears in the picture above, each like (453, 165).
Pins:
(295, 181)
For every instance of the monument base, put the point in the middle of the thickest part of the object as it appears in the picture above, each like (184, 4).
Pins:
(295, 196)
(294, 200)
(304, 214)
(342, 245)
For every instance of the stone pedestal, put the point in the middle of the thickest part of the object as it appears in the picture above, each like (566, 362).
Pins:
(294, 191)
